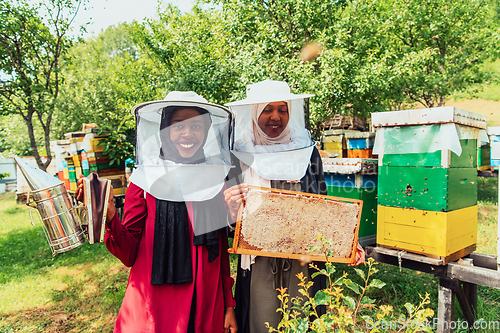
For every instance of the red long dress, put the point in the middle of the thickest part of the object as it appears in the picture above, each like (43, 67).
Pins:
(165, 308)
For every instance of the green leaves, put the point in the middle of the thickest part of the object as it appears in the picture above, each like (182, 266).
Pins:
(367, 300)
(376, 283)
(321, 298)
(32, 48)
(350, 302)
(353, 286)
(360, 272)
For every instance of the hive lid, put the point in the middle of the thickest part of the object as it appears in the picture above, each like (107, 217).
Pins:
(493, 130)
(338, 132)
(360, 135)
(440, 115)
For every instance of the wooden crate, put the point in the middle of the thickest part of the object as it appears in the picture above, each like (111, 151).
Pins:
(283, 226)
(433, 189)
(483, 160)
(344, 122)
(359, 143)
(447, 235)
(336, 138)
(448, 159)
(363, 166)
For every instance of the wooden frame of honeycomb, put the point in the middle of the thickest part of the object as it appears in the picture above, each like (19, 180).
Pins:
(285, 224)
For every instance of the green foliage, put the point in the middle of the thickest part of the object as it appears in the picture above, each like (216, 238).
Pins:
(105, 77)
(437, 48)
(342, 309)
(376, 55)
(118, 146)
(193, 50)
(4, 175)
(13, 138)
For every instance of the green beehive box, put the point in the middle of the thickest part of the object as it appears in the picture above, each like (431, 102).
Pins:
(427, 188)
(484, 156)
(368, 222)
(468, 158)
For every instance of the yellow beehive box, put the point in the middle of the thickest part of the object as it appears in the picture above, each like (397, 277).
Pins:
(333, 146)
(449, 235)
(96, 147)
(119, 183)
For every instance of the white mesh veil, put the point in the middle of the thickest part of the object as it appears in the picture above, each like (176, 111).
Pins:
(276, 162)
(182, 167)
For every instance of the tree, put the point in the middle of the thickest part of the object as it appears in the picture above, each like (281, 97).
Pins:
(437, 47)
(194, 51)
(343, 76)
(105, 76)
(31, 51)
(376, 56)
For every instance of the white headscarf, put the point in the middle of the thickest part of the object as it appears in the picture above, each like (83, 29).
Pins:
(261, 138)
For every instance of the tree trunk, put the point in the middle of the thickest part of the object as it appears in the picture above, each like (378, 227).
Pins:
(31, 133)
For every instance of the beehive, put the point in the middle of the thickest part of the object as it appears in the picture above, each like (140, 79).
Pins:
(334, 141)
(434, 188)
(467, 159)
(439, 234)
(356, 179)
(427, 181)
(360, 144)
(483, 157)
(84, 153)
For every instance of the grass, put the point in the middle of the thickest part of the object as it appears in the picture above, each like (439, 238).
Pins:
(81, 290)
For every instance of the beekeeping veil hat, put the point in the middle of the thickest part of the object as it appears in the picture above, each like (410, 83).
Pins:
(282, 161)
(163, 169)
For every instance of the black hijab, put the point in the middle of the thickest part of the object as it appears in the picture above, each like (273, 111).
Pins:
(168, 150)
(172, 247)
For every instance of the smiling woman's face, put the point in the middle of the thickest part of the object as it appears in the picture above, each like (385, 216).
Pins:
(274, 119)
(187, 131)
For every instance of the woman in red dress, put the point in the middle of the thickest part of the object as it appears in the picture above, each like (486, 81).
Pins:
(180, 278)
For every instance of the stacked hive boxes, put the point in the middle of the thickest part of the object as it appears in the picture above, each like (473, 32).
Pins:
(427, 185)
(494, 135)
(83, 153)
(355, 178)
(335, 142)
(360, 144)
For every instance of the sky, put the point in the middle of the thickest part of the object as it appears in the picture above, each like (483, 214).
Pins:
(103, 13)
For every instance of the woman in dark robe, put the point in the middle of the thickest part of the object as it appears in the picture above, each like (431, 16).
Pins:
(271, 120)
